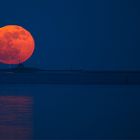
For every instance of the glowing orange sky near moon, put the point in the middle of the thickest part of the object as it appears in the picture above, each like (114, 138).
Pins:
(16, 44)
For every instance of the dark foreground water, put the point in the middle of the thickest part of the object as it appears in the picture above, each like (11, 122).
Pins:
(43, 112)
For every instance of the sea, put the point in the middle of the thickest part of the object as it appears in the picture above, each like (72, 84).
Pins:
(69, 112)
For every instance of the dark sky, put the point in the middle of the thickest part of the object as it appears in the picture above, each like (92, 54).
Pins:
(79, 34)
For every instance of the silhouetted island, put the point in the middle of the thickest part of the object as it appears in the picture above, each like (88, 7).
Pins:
(27, 75)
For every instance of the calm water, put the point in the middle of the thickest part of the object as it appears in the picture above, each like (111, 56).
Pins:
(43, 112)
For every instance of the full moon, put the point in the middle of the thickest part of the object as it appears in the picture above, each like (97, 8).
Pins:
(16, 44)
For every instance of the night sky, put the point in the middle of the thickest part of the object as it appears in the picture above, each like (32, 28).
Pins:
(79, 34)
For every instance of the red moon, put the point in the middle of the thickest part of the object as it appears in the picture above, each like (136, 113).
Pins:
(16, 44)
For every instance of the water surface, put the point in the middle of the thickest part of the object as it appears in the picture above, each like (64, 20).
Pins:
(44, 112)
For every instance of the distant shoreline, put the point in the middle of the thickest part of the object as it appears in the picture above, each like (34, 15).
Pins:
(69, 77)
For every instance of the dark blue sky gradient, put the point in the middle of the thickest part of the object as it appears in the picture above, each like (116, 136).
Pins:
(79, 34)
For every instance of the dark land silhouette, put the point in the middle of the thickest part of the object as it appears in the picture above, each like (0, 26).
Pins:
(27, 75)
